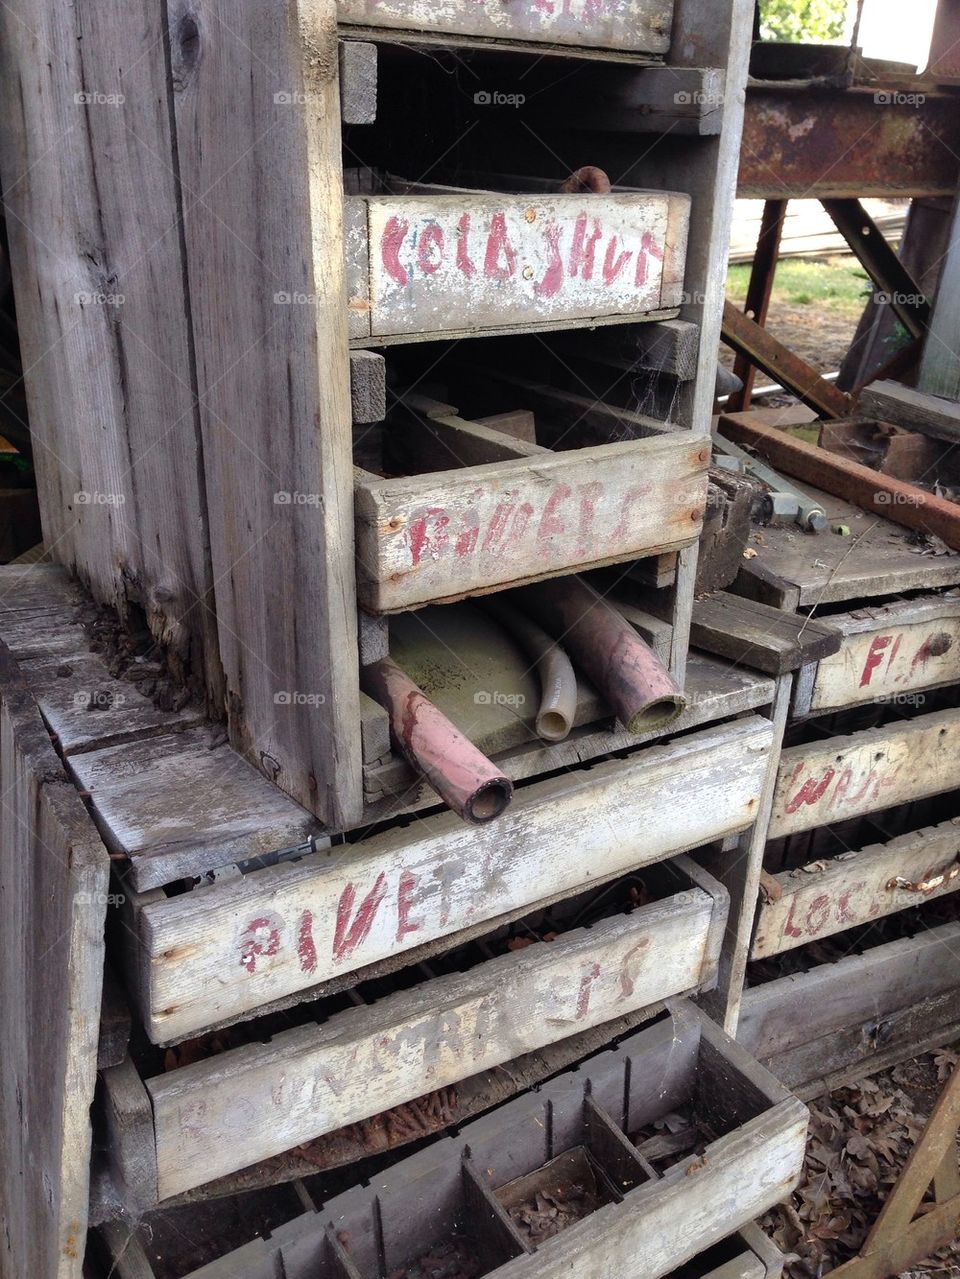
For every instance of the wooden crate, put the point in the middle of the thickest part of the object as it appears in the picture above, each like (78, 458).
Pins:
(513, 512)
(441, 262)
(829, 896)
(612, 25)
(651, 1222)
(226, 948)
(890, 653)
(842, 777)
(252, 1102)
(839, 1021)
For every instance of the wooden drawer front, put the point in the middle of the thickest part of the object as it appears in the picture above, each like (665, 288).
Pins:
(888, 655)
(223, 950)
(448, 534)
(474, 262)
(622, 25)
(865, 772)
(219, 1116)
(830, 897)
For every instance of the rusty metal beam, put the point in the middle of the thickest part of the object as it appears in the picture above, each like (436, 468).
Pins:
(881, 263)
(758, 294)
(849, 143)
(776, 360)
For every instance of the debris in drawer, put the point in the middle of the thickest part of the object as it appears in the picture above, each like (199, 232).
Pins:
(454, 1258)
(555, 1196)
(673, 1138)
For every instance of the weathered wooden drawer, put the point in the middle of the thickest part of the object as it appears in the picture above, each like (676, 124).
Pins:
(861, 1013)
(525, 514)
(841, 777)
(621, 25)
(459, 263)
(828, 897)
(457, 1192)
(249, 1103)
(892, 654)
(211, 955)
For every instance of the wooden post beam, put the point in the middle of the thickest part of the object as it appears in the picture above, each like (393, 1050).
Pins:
(765, 352)
(760, 288)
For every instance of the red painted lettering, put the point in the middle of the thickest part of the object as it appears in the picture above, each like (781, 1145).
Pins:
(613, 262)
(430, 249)
(394, 234)
(790, 928)
(406, 926)
(874, 658)
(428, 534)
(818, 914)
(552, 280)
(306, 947)
(628, 974)
(348, 936)
(499, 246)
(550, 521)
(464, 264)
(590, 494)
(583, 255)
(498, 523)
(812, 791)
(583, 997)
(260, 937)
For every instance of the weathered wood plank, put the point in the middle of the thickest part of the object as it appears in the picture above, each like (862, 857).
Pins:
(930, 414)
(313, 1080)
(757, 635)
(216, 952)
(91, 203)
(358, 82)
(670, 347)
(445, 535)
(843, 777)
(890, 654)
(469, 262)
(829, 897)
(54, 877)
(177, 808)
(263, 229)
(615, 24)
(368, 387)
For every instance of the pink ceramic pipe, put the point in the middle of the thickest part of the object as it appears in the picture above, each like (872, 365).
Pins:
(603, 644)
(461, 775)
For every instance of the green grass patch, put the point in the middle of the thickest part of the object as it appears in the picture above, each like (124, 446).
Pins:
(839, 284)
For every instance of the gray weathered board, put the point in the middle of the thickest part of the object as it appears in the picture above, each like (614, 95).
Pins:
(262, 227)
(54, 880)
(215, 1117)
(885, 1004)
(828, 897)
(444, 535)
(641, 26)
(840, 777)
(451, 264)
(890, 654)
(915, 410)
(222, 950)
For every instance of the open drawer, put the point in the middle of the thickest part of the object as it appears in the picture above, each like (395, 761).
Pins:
(623, 26)
(226, 948)
(236, 1107)
(469, 1194)
(443, 262)
(503, 511)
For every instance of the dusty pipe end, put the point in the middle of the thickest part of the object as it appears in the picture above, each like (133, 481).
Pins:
(657, 715)
(488, 801)
(553, 725)
(588, 179)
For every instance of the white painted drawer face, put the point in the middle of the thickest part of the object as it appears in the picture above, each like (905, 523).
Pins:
(221, 951)
(472, 262)
(441, 536)
(628, 26)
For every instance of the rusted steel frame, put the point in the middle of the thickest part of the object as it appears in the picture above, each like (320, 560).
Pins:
(767, 353)
(897, 1241)
(803, 143)
(878, 259)
(625, 671)
(894, 500)
(758, 294)
(461, 775)
(945, 42)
